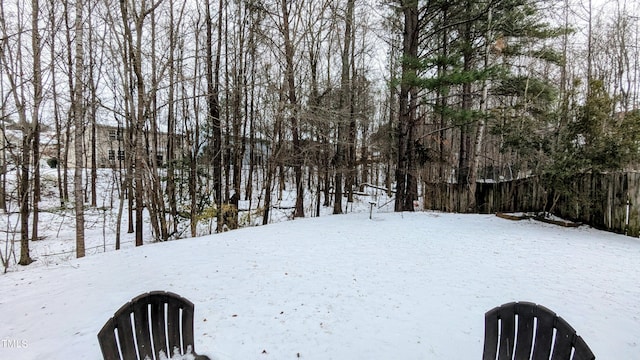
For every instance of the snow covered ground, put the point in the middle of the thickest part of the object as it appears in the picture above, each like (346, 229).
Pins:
(399, 286)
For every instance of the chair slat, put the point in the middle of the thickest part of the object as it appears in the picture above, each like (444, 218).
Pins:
(582, 351)
(173, 322)
(526, 322)
(158, 323)
(187, 327)
(563, 344)
(490, 335)
(508, 331)
(143, 333)
(108, 345)
(544, 333)
(125, 332)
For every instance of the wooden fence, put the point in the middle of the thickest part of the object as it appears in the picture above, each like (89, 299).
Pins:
(605, 201)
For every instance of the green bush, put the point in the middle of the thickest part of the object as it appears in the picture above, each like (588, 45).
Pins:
(53, 163)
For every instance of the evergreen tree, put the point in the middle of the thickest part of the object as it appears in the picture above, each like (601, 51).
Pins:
(599, 140)
(595, 140)
(477, 70)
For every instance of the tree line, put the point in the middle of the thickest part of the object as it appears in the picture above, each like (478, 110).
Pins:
(221, 101)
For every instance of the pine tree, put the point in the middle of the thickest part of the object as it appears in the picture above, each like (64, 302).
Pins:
(473, 80)
(595, 140)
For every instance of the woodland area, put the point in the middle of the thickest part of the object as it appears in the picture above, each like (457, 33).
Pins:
(317, 97)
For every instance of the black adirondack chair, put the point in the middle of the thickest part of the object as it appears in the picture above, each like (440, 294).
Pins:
(523, 330)
(150, 323)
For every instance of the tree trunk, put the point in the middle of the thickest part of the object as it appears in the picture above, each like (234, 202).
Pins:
(345, 115)
(267, 192)
(23, 195)
(93, 87)
(3, 143)
(155, 192)
(293, 102)
(195, 142)
(78, 115)
(121, 195)
(3, 158)
(213, 106)
(239, 117)
(171, 126)
(69, 137)
(406, 184)
(442, 101)
(248, 195)
(35, 117)
(138, 127)
(352, 134)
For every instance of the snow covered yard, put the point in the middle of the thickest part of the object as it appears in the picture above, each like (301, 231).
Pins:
(400, 286)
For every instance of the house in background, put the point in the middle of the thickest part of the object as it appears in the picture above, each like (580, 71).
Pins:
(111, 145)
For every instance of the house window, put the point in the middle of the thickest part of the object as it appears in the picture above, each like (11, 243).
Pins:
(115, 134)
(112, 155)
(120, 154)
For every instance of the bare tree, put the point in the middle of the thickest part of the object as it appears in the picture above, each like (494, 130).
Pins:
(316, 35)
(194, 142)
(213, 105)
(96, 57)
(290, 76)
(35, 114)
(141, 113)
(14, 70)
(254, 27)
(59, 135)
(345, 108)
(78, 115)
(3, 145)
